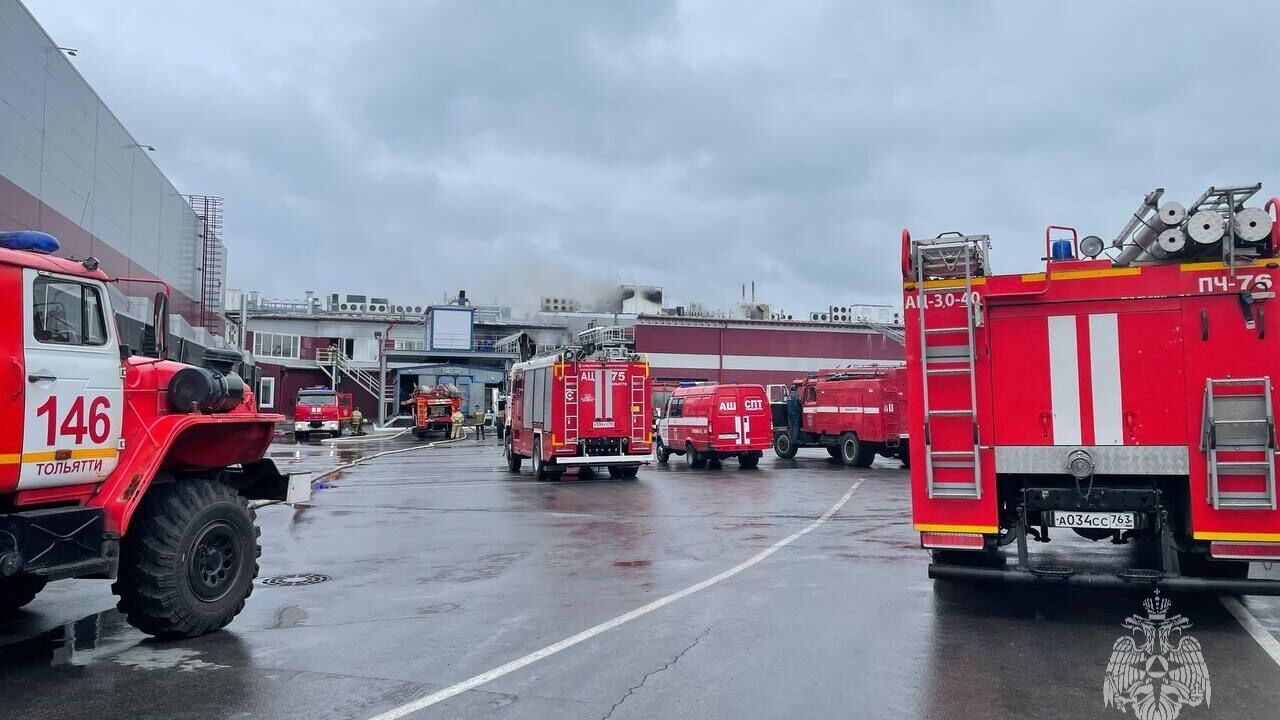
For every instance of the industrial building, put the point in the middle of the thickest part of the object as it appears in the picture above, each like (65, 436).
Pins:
(372, 347)
(375, 347)
(68, 167)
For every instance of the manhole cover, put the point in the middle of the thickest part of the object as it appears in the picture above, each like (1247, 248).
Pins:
(296, 579)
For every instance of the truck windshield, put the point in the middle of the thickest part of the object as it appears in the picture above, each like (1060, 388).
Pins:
(317, 399)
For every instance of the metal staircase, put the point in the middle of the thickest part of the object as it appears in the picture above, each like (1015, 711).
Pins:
(335, 364)
(950, 258)
(1241, 424)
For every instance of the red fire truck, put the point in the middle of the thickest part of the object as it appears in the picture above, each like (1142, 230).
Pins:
(116, 465)
(577, 409)
(707, 423)
(433, 409)
(1128, 400)
(855, 413)
(320, 409)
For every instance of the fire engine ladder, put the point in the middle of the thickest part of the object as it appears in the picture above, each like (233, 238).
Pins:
(570, 406)
(1240, 423)
(949, 257)
(639, 423)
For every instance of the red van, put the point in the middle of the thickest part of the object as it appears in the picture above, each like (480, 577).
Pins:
(707, 423)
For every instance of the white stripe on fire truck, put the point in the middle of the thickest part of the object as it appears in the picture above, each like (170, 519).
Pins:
(1104, 369)
(1064, 380)
(847, 409)
(686, 422)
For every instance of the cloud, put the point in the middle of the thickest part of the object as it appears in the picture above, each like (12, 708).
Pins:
(523, 149)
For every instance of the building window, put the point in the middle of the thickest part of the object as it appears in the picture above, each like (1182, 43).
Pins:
(276, 345)
(267, 392)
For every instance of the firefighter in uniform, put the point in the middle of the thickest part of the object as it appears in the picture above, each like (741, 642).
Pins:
(457, 424)
(357, 422)
(479, 420)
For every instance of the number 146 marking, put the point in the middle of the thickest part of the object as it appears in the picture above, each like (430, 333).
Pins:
(74, 423)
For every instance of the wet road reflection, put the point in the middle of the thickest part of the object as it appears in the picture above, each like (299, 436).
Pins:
(443, 565)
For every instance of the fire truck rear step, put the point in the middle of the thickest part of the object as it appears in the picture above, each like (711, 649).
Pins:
(1241, 422)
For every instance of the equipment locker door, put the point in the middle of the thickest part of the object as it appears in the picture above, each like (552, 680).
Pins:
(74, 390)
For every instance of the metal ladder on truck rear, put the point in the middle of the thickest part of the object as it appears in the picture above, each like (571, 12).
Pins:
(1242, 423)
(640, 425)
(570, 406)
(950, 257)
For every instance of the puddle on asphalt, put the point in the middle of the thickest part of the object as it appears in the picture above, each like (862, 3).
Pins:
(73, 644)
(106, 637)
(632, 563)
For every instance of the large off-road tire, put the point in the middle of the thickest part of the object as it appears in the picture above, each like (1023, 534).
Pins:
(694, 458)
(624, 472)
(16, 592)
(850, 449)
(783, 447)
(661, 453)
(188, 559)
(749, 461)
(904, 454)
(513, 460)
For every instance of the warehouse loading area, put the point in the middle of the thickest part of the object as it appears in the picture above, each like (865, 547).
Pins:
(433, 583)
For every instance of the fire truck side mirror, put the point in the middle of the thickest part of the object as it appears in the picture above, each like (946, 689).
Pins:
(157, 344)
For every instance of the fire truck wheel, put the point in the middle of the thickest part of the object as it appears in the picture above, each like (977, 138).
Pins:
(850, 449)
(783, 447)
(748, 461)
(866, 456)
(513, 460)
(302, 436)
(693, 458)
(1198, 565)
(662, 453)
(188, 559)
(834, 452)
(624, 472)
(540, 470)
(15, 592)
(904, 454)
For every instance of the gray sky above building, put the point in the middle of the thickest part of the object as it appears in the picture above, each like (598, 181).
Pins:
(519, 149)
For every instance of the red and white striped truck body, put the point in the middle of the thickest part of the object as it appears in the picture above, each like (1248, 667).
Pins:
(571, 411)
(1125, 402)
(708, 423)
(855, 413)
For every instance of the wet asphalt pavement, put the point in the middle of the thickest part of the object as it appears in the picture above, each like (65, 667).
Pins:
(442, 566)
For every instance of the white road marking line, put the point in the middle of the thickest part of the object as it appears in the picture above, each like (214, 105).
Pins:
(548, 651)
(1269, 644)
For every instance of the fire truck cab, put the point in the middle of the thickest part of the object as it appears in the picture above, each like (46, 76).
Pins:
(707, 423)
(855, 413)
(320, 409)
(1128, 399)
(118, 466)
(576, 409)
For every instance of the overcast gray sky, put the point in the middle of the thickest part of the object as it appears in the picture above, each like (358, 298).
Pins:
(526, 148)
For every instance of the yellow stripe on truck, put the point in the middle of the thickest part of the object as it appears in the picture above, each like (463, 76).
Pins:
(1238, 537)
(41, 457)
(985, 529)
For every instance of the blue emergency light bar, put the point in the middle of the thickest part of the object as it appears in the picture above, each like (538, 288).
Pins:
(30, 240)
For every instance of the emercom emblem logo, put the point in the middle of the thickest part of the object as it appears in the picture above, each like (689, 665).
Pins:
(1156, 669)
